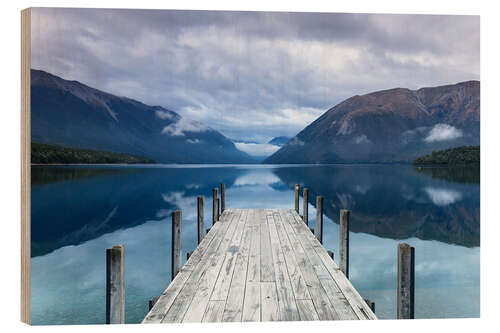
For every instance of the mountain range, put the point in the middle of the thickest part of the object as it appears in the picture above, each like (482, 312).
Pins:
(71, 114)
(395, 125)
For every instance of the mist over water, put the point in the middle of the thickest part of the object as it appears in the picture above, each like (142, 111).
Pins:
(78, 212)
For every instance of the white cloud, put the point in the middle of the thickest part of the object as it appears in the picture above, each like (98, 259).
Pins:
(193, 141)
(362, 139)
(443, 197)
(165, 115)
(257, 149)
(443, 132)
(183, 125)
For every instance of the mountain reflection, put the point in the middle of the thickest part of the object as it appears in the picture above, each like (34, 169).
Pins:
(72, 205)
(395, 201)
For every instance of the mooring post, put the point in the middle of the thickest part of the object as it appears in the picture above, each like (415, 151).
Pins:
(222, 197)
(115, 285)
(319, 218)
(305, 208)
(344, 242)
(201, 224)
(215, 209)
(370, 304)
(189, 255)
(330, 253)
(152, 302)
(297, 187)
(176, 242)
(406, 281)
(218, 209)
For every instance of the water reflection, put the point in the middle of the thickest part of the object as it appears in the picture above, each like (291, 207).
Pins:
(394, 201)
(79, 212)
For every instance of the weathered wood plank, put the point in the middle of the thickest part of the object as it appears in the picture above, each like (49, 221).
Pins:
(252, 302)
(253, 274)
(197, 295)
(307, 311)
(298, 283)
(214, 312)
(318, 294)
(161, 307)
(266, 256)
(269, 301)
(234, 305)
(286, 299)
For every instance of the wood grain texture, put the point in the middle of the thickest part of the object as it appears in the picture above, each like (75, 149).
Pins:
(25, 166)
(259, 265)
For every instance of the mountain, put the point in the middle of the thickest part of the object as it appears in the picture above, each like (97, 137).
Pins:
(395, 125)
(71, 114)
(279, 141)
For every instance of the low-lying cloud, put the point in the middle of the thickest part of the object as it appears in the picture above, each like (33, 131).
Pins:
(183, 125)
(443, 132)
(443, 197)
(257, 149)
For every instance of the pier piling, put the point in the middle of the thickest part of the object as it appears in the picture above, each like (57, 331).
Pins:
(152, 302)
(215, 208)
(115, 285)
(176, 242)
(330, 253)
(344, 242)
(319, 218)
(201, 224)
(297, 187)
(406, 282)
(305, 208)
(222, 197)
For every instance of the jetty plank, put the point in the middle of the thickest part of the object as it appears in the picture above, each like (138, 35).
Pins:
(259, 265)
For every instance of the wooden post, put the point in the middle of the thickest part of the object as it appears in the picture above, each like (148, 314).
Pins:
(115, 285)
(201, 224)
(152, 302)
(319, 218)
(215, 194)
(305, 209)
(297, 187)
(218, 209)
(406, 281)
(189, 255)
(344, 242)
(330, 253)
(176, 242)
(370, 304)
(222, 197)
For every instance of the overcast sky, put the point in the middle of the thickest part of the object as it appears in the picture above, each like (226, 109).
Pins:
(252, 75)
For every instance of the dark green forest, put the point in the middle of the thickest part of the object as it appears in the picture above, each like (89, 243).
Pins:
(465, 155)
(42, 153)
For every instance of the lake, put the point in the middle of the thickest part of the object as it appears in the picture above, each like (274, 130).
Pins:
(79, 211)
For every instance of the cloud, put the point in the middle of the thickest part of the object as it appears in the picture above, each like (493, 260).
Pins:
(442, 197)
(252, 74)
(257, 149)
(184, 125)
(193, 141)
(165, 115)
(443, 132)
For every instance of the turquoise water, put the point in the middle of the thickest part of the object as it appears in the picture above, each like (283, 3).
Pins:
(78, 212)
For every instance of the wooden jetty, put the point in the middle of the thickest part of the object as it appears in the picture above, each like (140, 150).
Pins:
(259, 265)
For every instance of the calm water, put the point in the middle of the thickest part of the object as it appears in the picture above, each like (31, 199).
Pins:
(78, 212)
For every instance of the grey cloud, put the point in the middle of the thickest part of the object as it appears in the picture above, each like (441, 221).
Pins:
(241, 72)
